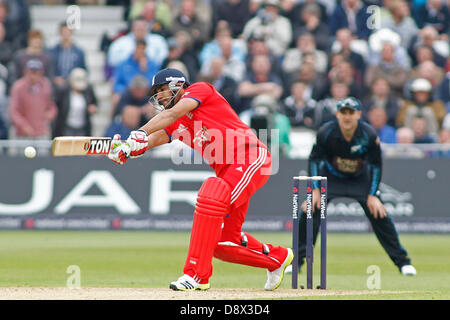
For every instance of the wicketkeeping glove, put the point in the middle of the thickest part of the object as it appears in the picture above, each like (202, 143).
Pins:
(138, 141)
(120, 151)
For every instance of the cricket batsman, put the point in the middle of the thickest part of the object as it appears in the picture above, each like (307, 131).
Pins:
(347, 151)
(200, 117)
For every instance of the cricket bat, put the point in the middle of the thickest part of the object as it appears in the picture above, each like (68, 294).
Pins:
(80, 146)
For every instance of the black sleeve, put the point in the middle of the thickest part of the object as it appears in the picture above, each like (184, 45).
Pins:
(375, 162)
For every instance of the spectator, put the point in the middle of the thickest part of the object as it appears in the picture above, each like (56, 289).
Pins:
(31, 107)
(444, 91)
(434, 13)
(66, 55)
(294, 57)
(300, 111)
(129, 120)
(405, 135)
(123, 47)
(292, 9)
(159, 9)
(138, 63)
(76, 102)
(273, 27)
(428, 36)
(317, 88)
(335, 59)
(257, 45)
(326, 108)
(352, 14)
(34, 50)
(260, 80)
(401, 22)
(381, 97)
(232, 50)
(311, 22)
(188, 20)
(378, 119)
(343, 45)
(444, 136)
(136, 95)
(222, 81)
(428, 70)
(426, 53)
(345, 72)
(421, 132)
(176, 64)
(150, 14)
(422, 104)
(181, 50)
(6, 48)
(254, 6)
(15, 16)
(388, 68)
(235, 12)
(377, 43)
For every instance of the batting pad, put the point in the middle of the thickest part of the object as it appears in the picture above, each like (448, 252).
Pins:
(213, 203)
(251, 253)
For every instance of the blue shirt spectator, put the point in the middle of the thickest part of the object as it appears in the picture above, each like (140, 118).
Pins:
(138, 63)
(378, 119)
(387, 134)
(66, 55)
(434, 13)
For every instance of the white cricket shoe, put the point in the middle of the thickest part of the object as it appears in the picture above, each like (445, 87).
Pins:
(187, 283)
(408, 270)
(275, 277)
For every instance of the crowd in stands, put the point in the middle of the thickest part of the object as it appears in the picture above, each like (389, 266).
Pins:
(293, 59)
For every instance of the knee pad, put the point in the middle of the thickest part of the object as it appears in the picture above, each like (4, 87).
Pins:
(213, 197)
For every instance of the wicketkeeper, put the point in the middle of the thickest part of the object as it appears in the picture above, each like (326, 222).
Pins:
(347, 151)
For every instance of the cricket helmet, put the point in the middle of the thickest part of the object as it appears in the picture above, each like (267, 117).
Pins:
(170, 76)
(175, 80)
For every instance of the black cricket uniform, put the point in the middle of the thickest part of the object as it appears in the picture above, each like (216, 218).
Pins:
(354, 171)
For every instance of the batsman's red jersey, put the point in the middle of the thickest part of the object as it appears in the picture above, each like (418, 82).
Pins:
(214, 129)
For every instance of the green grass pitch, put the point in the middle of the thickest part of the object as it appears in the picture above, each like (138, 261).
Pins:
(131, 259)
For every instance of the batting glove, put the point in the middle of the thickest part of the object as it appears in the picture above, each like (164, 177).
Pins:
(138, 141)
(120, 151)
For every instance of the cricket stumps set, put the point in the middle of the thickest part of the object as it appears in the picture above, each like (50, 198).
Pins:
(298, 182)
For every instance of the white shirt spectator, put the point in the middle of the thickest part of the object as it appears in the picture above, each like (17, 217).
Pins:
(121, 49)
